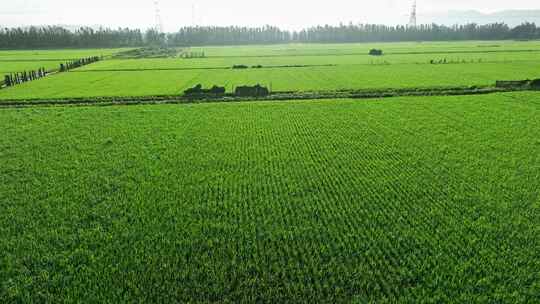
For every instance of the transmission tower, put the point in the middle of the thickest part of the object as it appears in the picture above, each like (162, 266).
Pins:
(159, 21)
(193, 15)
(412, 20)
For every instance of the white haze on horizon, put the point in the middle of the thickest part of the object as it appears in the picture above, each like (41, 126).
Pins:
(285, 14)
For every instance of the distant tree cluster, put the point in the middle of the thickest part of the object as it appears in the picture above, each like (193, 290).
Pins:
(232, 35)
(200, 36)
(64, 67)
(18, 78)
(431, 32)
(154, 38)
(198, 90)
(147, 52)
(251, 91)
(58, 37)
(376, 52)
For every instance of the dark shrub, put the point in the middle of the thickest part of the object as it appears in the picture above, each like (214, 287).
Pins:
(254, 91)
(375, 52)
(217, 90)
(198, 90)
(535, 83)
(195, 90)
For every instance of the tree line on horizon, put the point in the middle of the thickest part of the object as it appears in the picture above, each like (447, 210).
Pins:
(58, 37)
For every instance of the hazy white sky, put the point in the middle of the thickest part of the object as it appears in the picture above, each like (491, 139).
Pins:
(291, 14)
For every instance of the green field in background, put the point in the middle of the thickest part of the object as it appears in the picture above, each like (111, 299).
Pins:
(323, 68)
(20, 61)
(363, 48)
(143, 83)
(64, 54)
(360, 59)
(21, 66)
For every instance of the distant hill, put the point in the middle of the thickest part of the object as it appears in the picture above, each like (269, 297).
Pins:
(510, 17)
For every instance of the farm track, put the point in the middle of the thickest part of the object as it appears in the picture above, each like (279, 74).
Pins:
(275, 96)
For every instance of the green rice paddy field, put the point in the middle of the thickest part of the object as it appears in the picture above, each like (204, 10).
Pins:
(407, 199)
(19, 61)
(290, 68)
(395, 200)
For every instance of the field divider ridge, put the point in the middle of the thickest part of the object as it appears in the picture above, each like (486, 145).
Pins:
(274, 96)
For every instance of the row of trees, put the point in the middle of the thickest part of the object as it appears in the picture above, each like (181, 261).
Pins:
(22, 77)
(64, 67)
(431, 32)
(200, 36)
(58, 37)
(18, 78)
(215, 35)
